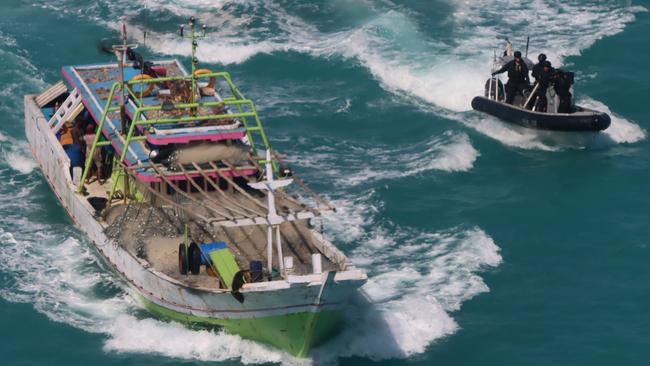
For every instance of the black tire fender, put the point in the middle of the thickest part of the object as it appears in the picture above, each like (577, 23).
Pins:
(194, 254)
(182, 259)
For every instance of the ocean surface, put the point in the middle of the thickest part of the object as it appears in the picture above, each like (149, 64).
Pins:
(485, 244)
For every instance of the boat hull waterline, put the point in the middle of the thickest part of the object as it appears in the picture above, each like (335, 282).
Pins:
(583, 119)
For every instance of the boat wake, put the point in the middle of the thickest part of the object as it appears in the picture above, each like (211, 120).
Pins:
(450, 152)
(408, 271)
(16, 154)
(60, 275)
(441, 69)
(48, 265)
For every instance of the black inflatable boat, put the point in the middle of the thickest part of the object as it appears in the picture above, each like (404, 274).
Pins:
(550, 112)
(580, 119)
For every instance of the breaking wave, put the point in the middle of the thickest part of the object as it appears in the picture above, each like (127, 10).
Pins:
(392, 45)
(46, 264)
(440, 70)
(50, 266)
(17, 155)
(408, 271)
(389, 41)
(353, 163)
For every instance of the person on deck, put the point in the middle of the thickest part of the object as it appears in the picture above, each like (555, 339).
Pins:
(78, 132)
(518, 79)
(543, 80)
(66, 134)
(89, 138)
(71, 147)
(537, 69)
(562, 82)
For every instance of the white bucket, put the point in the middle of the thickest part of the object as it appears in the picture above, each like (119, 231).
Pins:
(76, 175)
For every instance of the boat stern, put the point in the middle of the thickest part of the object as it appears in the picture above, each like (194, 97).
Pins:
(296, 314)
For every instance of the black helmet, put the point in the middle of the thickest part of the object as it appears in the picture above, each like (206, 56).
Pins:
(547, 64)
(517, 54)
(541, 57)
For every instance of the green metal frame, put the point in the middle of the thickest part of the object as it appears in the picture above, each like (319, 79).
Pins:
(247, 114)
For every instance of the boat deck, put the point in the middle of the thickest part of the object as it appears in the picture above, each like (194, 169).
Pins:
(154, 234)
(94, 83)
(202, 183)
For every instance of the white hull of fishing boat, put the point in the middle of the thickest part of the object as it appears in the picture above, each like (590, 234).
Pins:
(294, 303)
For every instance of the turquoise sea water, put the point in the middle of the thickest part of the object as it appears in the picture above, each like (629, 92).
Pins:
(484, 243)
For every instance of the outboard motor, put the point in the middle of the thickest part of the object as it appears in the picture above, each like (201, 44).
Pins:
(494, 86)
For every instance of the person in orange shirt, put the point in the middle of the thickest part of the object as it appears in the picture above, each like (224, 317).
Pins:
(66, 134)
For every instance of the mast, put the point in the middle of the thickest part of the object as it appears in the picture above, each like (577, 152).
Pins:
(194, 37)
(120, 53)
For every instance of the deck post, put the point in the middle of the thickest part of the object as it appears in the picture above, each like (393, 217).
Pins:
(98, 133)
(269, 250)
(278, 242)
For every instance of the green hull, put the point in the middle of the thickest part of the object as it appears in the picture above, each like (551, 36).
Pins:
(296, 333)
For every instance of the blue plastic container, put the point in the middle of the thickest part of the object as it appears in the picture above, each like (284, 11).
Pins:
(206, 248)
(256, 270)
(75, 154)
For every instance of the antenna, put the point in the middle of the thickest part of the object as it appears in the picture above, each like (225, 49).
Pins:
(144, 30)
(527, 43)
(193, 36)
(120, 53)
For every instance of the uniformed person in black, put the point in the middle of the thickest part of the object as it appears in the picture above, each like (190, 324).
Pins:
(517, 77)
(562, 82)
(537, 69)
(544, 76)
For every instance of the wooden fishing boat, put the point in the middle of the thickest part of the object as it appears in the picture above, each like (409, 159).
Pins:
(198, 215)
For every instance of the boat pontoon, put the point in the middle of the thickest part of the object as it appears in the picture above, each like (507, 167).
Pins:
(559, 114)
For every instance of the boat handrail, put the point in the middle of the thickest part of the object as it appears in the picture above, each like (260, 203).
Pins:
(240, 102)
(532, 94)
(494, 80)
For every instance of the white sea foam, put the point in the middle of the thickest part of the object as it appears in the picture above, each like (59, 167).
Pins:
(408, 272)
(129, 334)
(347, 161)
(452, 152)
(621, 130)
(19, 161)
(390, 44)
(61, 278)
(17, 154)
